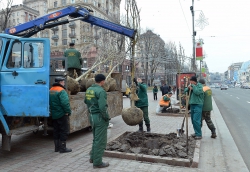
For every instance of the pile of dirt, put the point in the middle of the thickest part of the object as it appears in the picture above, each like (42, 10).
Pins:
(168, 145)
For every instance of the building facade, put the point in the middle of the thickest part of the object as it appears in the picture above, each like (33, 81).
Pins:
(19, 14)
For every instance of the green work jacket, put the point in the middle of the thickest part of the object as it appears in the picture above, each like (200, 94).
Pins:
(58, 101)
(96, 100)
(207, 105)
(142, 95)
(197, 94)
(74, 58)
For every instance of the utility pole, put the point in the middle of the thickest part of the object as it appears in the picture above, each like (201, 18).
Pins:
(194, 34)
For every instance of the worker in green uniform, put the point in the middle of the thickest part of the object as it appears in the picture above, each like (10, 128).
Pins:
(96, 100)
(196, 103)
(207, 108)
(60, 111)
(142, 103)
(74, 61)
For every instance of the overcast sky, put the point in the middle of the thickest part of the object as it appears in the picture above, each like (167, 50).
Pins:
(226, 38)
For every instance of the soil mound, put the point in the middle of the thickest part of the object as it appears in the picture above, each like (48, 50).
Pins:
(168, 145)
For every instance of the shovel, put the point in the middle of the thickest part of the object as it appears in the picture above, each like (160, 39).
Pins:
(181, 131)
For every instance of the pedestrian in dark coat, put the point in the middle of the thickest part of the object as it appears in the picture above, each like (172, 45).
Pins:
(165, 89)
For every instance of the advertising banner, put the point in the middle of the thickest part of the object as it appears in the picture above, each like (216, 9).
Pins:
(198, 51)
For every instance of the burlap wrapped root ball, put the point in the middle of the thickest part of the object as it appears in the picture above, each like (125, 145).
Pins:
(72, 85)
(132, 116)
(110, 84)
(82, 83)
(90, 82)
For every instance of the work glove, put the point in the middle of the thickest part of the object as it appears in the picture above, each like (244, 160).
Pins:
(135, 81)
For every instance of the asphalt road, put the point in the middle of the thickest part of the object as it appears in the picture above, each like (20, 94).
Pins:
(234, 105)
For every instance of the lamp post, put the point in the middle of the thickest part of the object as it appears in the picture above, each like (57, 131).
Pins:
(194, 34)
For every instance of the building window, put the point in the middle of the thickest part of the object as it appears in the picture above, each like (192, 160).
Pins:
(17, 13)
(63, 2)
(64, 41)
(73, 40)
(85, 0)
(73, 31)
(55, 43)
(64, 33)
(55, 4)
(64, 26)
(73, 1)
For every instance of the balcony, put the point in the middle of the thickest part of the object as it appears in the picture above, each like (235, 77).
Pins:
(72, 24)
(55, 37)
(72, 35)
(56, 28)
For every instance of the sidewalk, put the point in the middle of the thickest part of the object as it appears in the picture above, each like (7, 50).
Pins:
(36, 153)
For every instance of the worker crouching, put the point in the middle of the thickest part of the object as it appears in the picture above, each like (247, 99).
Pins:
(165, 101)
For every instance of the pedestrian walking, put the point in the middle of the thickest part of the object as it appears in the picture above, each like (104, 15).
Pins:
(207, 108)
(155, 91)
(74, 61)
(96, 100)
(196, 103)
(142, 103)
(165, 89)
(161, 88)
(60, 111)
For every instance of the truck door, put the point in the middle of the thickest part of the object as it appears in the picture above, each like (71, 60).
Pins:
(25, 78)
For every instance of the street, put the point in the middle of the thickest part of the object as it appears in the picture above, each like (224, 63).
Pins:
(234, 107)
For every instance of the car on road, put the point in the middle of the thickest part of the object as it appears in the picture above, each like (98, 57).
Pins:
(223, 87)
(212, 86)
(217, 86)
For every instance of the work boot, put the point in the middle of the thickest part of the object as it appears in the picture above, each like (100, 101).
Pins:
(148, 128)
(140, 128)
(103, 165)
(63, 148)
(213, 134)
(57, 145)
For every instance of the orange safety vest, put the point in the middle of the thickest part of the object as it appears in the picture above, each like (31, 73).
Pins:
(205, 88)
(164, 103)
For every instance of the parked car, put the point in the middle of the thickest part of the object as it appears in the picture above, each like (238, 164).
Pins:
(224, 87)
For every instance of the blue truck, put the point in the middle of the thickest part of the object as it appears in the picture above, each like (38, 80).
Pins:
(25, 75)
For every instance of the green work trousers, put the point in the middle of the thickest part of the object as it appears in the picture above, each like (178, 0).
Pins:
(99, 129)
(196, 113)
(207, 117)
(145, 115)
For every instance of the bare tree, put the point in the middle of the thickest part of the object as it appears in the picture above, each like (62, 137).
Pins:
(152, 51)
(5, 14)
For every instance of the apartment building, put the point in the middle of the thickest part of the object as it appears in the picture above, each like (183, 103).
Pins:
(82, 33)
(42, 7)
(20, 14)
